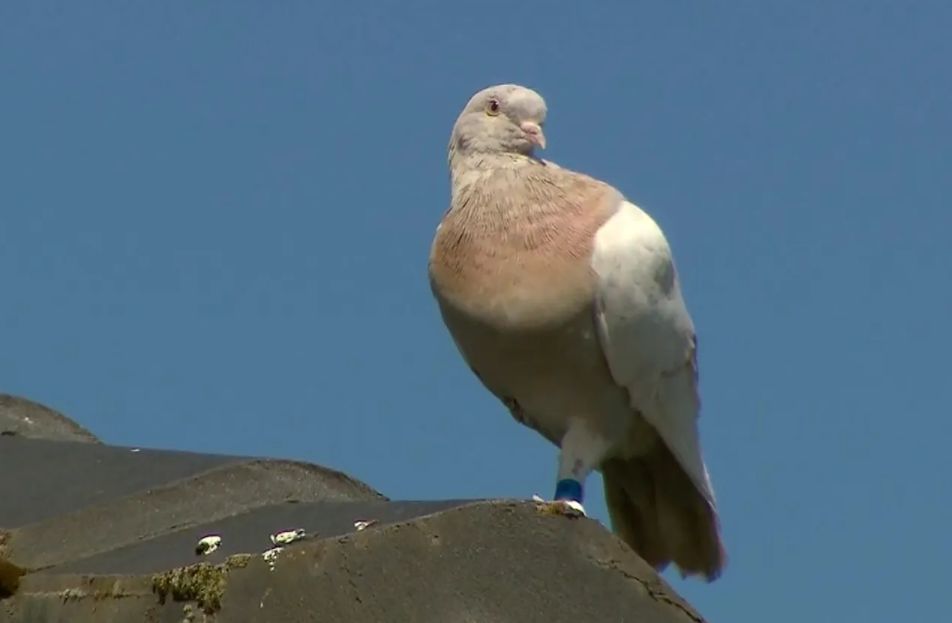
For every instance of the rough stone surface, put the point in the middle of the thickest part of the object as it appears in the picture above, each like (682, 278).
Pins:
(96, 533)
(25, 418)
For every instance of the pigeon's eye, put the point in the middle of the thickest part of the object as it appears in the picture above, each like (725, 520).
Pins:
(492, 107)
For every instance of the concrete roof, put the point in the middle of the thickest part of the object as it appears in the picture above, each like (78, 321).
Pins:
(92, 532)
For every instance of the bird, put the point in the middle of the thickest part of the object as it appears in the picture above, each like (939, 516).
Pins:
(563, 298)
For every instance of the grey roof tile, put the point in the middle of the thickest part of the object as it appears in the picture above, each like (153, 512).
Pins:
(108, 534)
(25, 418)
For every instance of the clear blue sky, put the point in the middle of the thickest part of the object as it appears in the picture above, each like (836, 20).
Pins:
(215, 220)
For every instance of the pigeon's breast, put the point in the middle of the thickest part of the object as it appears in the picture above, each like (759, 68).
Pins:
(515, 271)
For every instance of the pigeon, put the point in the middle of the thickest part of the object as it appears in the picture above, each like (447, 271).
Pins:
(563, 299)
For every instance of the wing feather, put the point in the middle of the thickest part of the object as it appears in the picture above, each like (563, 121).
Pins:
(647, 334)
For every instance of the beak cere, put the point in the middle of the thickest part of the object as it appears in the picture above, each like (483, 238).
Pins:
(533, 133)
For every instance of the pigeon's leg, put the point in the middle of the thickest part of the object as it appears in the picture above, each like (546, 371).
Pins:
(582, 451)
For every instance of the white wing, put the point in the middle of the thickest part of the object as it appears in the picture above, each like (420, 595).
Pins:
(647, 334)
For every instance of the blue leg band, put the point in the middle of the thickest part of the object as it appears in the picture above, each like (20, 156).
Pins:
(569, 489)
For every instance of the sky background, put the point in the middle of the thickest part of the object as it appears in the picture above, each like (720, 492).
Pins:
(215, 219)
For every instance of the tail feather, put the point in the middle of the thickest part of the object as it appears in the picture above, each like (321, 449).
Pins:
(656, 509)
(635, 524)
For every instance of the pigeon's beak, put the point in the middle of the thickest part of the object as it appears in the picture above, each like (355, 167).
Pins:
(534, 133)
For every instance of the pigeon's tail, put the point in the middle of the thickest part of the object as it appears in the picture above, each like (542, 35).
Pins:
(657, 510)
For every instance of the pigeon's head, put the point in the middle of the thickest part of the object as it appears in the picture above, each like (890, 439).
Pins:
(504, 119)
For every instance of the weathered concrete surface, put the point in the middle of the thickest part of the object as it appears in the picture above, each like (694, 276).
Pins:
(25, 418)
(496, 562)
(93, 533)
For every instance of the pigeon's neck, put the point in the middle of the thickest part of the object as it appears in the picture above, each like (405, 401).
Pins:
(487, 171)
